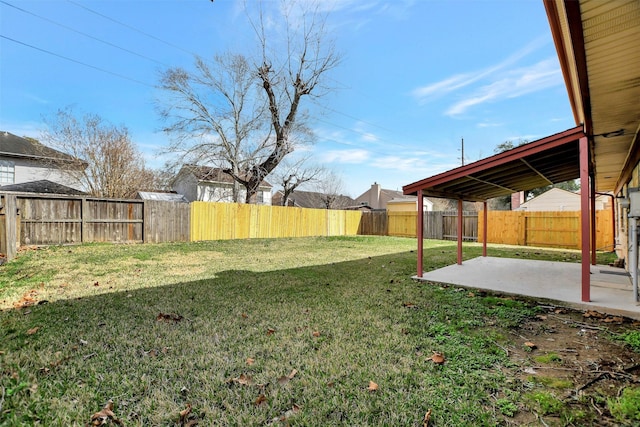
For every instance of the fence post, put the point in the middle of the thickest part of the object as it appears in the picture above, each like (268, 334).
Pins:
(11, 224)
(522, 228)
(83, 220)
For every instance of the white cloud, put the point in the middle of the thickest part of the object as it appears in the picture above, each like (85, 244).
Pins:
(488, 125)
(351, 156)
(512, 84)
(500, 77)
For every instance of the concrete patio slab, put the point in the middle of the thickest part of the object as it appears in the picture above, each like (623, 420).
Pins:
(611, 289)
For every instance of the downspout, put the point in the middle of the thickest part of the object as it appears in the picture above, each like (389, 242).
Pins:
(632, 203)
(633, 255)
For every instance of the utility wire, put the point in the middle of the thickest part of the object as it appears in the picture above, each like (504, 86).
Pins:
(76, 61)
(131, 27)
(82, 33)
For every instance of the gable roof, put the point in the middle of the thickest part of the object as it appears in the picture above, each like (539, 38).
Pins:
(212, 174)
(15, 146)
(314, 200)
(42, 186)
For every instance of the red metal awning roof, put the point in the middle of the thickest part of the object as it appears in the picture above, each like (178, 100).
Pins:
(549, 160)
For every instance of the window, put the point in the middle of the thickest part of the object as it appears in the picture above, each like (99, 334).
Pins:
(260, 197)
(7, 172)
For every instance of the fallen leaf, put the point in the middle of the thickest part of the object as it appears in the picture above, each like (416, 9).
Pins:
(560, 311)
(168, 317)
(541, 317)
(185, 412)
(330, 384)
(250, 361)
(286, 378)
(372, 386)
(427, 417)
(260, 400)
(531, 345)
(271, 331)
(409, 305)
(244, 315)
(83, 342)
(244, 380)
(437, 358)
(33, 330)
(613, 319)
(316, 334)
(106, 414)
(592, 314)
(27, 299)
(151, 353)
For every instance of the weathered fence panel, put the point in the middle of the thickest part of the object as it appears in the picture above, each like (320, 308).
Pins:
(433, 225)
(56, 219)
(440, 225)
(450, 225)
(373, 223)
(9, 226)
(166, 221)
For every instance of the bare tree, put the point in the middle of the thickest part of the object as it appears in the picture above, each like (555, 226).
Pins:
(330, 186)
(292, 174)
(245, 116)
(106, 162)
(215, 115)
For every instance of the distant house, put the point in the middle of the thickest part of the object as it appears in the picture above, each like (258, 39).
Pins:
(208, 184)
(313, 200)
(24, 160)
(558, 199)
(383, 199)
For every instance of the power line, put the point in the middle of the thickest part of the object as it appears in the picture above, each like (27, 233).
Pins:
(76, 61)
(131, 27)
(82, 33)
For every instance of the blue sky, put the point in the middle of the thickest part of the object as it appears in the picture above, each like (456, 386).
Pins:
(416, 76)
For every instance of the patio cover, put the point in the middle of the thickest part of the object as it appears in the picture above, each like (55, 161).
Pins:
(551, 160)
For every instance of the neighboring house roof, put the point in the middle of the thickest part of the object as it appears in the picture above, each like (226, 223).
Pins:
(212, 174)
(42, 186)
(378, 197)
(16, 146)
(164, 197)
(314, 200)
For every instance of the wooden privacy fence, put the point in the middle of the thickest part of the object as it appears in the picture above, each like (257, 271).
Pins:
(374, 223)
(547, 229)
(216, 221)
(440, 225)
(28, 219)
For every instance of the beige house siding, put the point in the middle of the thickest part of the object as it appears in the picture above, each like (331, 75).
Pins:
(557, 199)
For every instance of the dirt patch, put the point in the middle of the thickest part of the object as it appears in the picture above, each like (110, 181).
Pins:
(569, 364)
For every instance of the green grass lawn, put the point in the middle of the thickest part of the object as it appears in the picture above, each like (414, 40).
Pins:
(254, 332)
